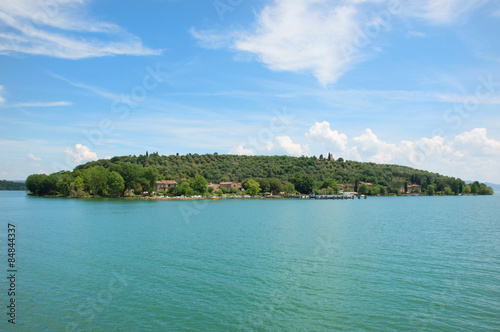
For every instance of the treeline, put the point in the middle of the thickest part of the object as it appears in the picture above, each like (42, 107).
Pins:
(95, 180)
(118, 175)
(11, 185)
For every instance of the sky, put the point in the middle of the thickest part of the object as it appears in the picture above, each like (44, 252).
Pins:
(414, 83)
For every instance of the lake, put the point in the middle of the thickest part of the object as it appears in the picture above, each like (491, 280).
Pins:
(380, 264)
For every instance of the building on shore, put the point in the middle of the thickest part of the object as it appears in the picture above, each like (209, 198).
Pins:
(164, 184)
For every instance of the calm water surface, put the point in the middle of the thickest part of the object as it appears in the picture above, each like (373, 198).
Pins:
(381, 264)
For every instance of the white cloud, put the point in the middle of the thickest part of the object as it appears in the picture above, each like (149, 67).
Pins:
(59, 29)
(44, 104)
(470, 155)
(286, 144)
(441, 11)
(33, 160)
(314, 36)
(241, 151)
(327, 38)
(1, 99)
(80, 153)
(415, 34)
(477, 143)
(322, 132)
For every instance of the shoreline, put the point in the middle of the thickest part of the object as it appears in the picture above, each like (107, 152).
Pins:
(297, 197)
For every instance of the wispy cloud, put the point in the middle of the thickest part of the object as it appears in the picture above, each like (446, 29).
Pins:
(415, 34)
(58, 29)
(1, 98)
(44, 104)
(96, 90)
(328, 38)
(441, 11)
(33, 160)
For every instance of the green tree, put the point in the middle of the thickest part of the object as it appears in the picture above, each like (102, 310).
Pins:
(264, 184)
(275, 186)
(289, 188)
(96, 179)
(448, 191)
(131, 174)
(467, 190)
(184, 189)
(78, 187)
(115, 183)
(50, 185)
(485, 190)
(34, 183)
(303, 183)
(363, 189)
(474, 188)
(151, 175)
(200, 185)
(253, 187)
(330, 183)
(430, 190)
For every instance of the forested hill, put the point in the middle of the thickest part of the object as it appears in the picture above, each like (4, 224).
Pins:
(215, 168)
(12, 185)
(119, 175)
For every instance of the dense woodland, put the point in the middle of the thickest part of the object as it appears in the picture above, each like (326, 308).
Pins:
(11, 185)
(259, 174)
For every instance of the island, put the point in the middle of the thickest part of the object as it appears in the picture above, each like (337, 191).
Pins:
(214, 175)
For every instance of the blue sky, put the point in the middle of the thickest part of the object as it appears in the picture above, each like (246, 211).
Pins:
(389, 81)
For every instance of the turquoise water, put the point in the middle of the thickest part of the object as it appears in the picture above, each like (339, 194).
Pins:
(381, 264)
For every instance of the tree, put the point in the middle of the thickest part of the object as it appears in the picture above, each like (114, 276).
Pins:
(363, 189)
(289, 188)
(184, 189)
(131, 174)
(200, 184)
(151, 175)
(448, 191)
(264, 184)
(303, 183)
(330, 183)
(116, 183)
(467, 190)
(50, 185)
(78, 187)
(96, 179)
(485, 190)
(474, 188)
(275, 186)
(253, 187)
(34, 183)
(430, 190)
